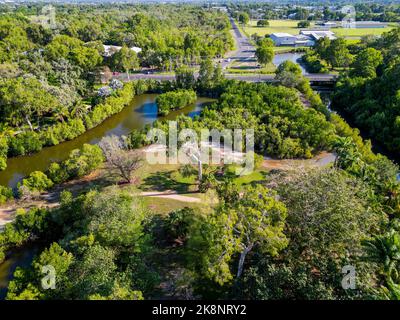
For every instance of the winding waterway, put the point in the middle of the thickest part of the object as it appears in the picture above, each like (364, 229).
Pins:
(141, 111)
(19, 258)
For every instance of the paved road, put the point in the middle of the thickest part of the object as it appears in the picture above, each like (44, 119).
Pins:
(250, 78)
(245, 51)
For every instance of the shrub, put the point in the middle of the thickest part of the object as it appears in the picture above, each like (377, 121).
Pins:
(26, 226)
(3, 153)
(303, 24)
(25, 194)
(37, 181)
(25, 143)
(262, 23)
(175, 100)
(57, 173)
(314, 64)
(142, 86)
(50, 138)
(5, 194)
(208, 182)
(115, 84)
(137, 139)
(3, 163)
(178, 222)
(187, 170)
(83, 161)
(75, 128)
(88, 122)
(104, 92)
(258, 159)
(33, 220)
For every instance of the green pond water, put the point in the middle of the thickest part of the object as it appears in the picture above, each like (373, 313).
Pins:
(18, 258)
(141, 111)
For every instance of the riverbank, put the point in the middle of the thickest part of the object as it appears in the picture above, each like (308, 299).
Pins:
(144, 187)
(141, 110)
(31, 141)
(21, 257)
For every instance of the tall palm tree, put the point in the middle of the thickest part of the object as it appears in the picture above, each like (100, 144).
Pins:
(78, 110)
(385, 250)
(392, 197)
(61, 112)
(393, 292)
(347, 154)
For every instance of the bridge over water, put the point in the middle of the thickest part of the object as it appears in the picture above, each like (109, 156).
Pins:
(323, 80)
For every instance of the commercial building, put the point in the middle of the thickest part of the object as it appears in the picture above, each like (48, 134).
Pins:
(370, 24)
(306, 38)
(318, 34)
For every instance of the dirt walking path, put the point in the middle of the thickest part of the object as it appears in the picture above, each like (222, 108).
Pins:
(321, 160)
(170, 194)
(52, 199)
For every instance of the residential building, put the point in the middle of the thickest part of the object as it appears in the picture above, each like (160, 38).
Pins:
(109, 50)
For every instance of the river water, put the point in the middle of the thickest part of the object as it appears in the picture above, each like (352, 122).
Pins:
(291, 56)
(141, 111)
(19, 258)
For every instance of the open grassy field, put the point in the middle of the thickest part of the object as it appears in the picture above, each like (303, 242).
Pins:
(250, 67)
(358, 33)
(164, 206)
(287, 26)
(290, 26)
(287, 49)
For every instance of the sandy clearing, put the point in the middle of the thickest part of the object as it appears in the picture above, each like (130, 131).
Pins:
(321, 160)
(170, 194)
(50, 200)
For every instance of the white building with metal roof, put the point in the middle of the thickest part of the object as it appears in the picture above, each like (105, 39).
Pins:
(286, 39)
(109, 50)
(318, 34)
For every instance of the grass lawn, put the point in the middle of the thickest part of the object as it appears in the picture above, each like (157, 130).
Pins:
(358, 33)
(164, 177)
(251, 68)
(159, 178)
(286, 26)
(256, 175)
(248, 179)
(167, 177)
(164, 206)
(352, 41)
(290, 26)
(288, 49)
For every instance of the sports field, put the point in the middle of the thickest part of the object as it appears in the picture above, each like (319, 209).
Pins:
(354, 33)
(290, 26)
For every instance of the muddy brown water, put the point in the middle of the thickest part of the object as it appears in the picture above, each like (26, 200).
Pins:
(141, 111)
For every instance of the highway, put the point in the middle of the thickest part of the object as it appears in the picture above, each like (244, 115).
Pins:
(250, 78)
(245, 51)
